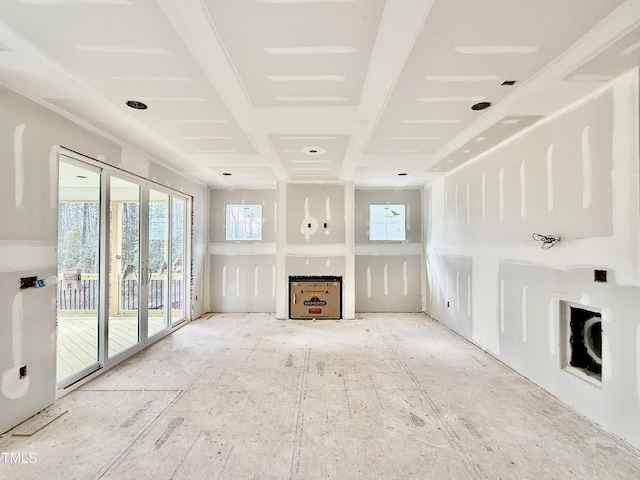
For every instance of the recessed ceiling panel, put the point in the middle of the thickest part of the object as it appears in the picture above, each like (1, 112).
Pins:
(296, 52)
(130, 51)
(483, 45)
(310, 156)
(502, 130)
(611, 62)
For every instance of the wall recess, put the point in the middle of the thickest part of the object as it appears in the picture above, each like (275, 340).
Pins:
(581, 333)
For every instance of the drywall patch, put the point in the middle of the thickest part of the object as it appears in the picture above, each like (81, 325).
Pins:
(53, 177)
(501, 193)
(523, 188)
(18, 163)
(549, 166)
(502, 306)
(386, 280)
(405, 279)
(524, 313)
(468, 205)
(638, 361)
(484, 197)
(469, 296)
(273, 281)
(552, 326)
(224, 281)
(309, 225)
(587, 168)
(15, 383)
(256, 281)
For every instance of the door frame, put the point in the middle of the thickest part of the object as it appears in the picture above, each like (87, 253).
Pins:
(104, 361)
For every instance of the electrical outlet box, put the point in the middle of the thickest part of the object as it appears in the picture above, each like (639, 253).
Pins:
(600, 276)
(28, 282)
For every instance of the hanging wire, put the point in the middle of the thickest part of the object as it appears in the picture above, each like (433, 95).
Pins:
(548, 241)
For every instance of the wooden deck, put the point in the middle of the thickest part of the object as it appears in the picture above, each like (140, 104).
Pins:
(78, 340)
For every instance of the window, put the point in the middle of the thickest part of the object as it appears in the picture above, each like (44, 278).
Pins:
(244, 222)
(386, 222)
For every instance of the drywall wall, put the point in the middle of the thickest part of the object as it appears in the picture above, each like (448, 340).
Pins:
(30, 136)
(318, 236)
(574, 175)
(388, 273)
(242, 272)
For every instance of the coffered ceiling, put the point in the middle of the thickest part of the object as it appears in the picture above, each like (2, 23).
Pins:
(313, 90)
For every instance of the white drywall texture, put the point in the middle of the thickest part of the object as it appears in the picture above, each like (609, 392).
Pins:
(30, 136)
(575, 175)
(388, 273)
(242, 273)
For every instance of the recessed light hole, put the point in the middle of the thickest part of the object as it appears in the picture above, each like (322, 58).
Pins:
(136, 104)
(481, 106)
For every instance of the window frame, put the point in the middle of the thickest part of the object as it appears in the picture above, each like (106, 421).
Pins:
(260, 221)
(402, 206)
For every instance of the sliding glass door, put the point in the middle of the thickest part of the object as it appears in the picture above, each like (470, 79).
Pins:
(79, 193)
(124, 265)
(157, 284)
(123, 246)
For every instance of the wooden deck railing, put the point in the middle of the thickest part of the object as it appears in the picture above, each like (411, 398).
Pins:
(85, 297)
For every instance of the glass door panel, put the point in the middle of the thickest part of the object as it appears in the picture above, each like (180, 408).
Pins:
(124, 266)
(78, 268)
(178, 283)
(158, 261)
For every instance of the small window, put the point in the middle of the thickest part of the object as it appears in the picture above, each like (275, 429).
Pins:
(386, 222)
(244, 222)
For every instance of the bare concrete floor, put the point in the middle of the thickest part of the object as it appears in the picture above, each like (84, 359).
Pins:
(246, 396)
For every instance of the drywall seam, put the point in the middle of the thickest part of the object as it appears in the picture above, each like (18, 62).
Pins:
(386, 279)
(552, 326)
(587, 168)
(389, 249)
(369, 282)
(501, 194)
(524, 313)
(14, 385)
(224, 281)
(523, 188)
(316, 250)
(349, 286)
(256, 282)
(468, 204)
(53, 176)
(484, 197)
(18, 256)
(282, 296)
(18, 163)
(250, 248)
(549, 170)
(469, 296)
(273, 281)
(405, 279)
(501, 306)
(275, 216)
(457, 211)
(638, 361)
(624, 177)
